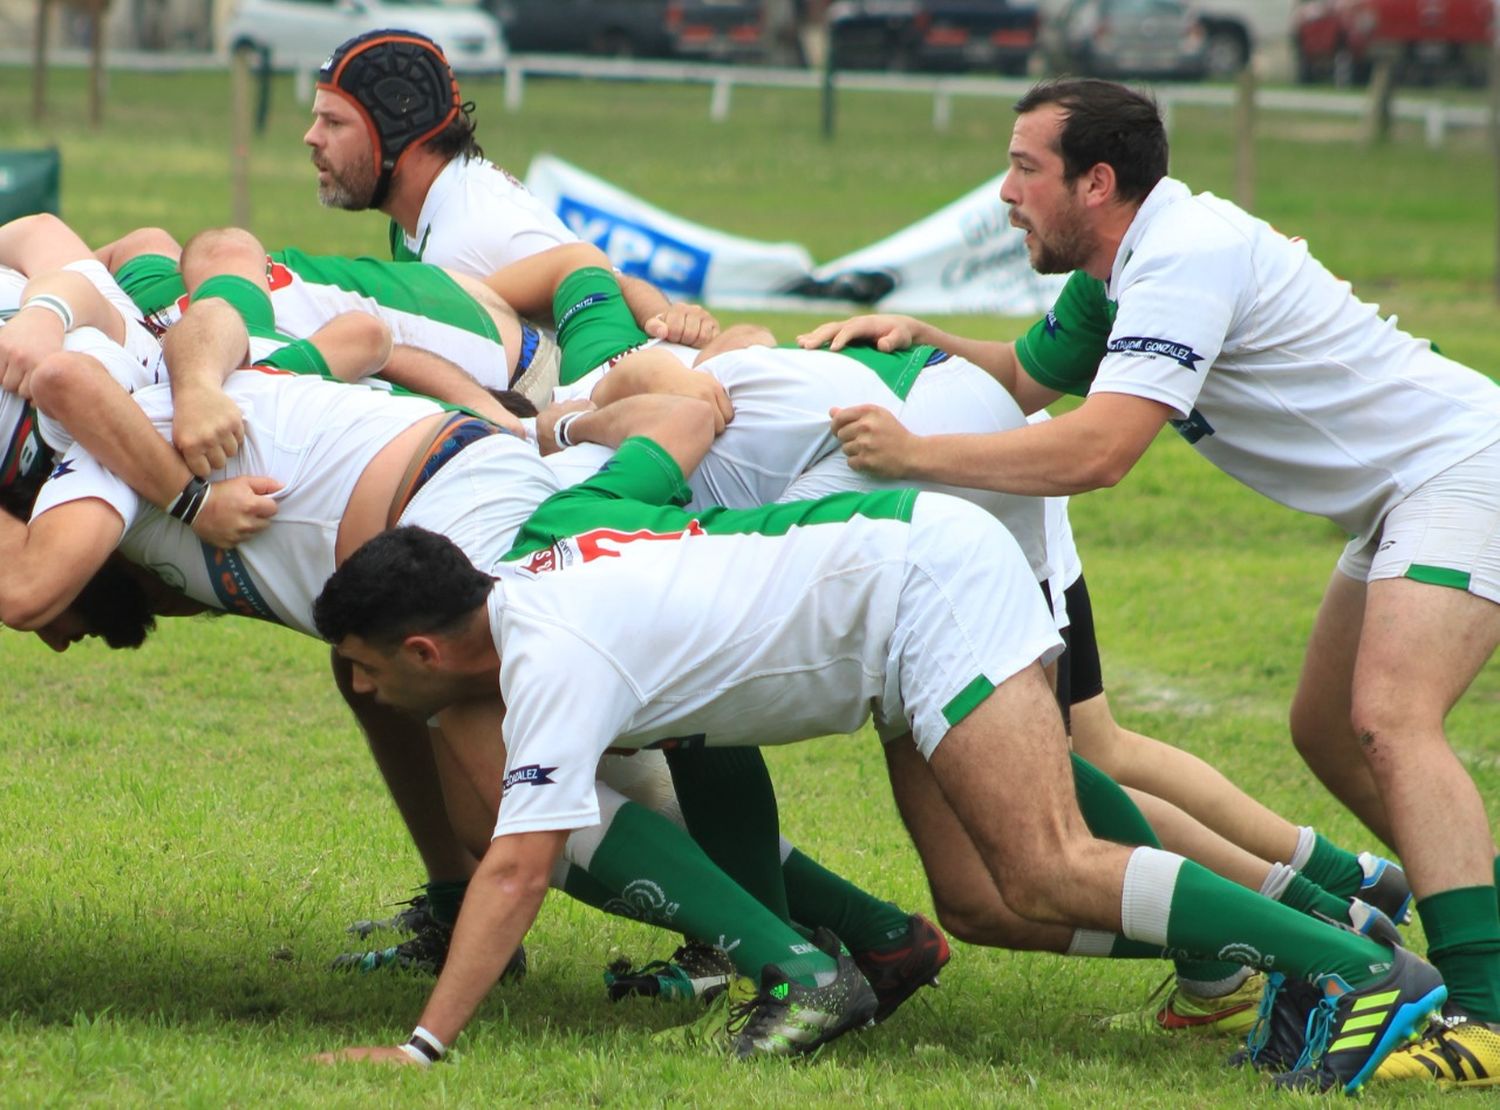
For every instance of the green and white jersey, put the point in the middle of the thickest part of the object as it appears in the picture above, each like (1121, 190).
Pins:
(315, 436)
(28, 438)
(423, 306)
(780, 447)
(623, 620)
(477, 219)
(1277, 373)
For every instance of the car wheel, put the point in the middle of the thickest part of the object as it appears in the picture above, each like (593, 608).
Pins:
(1225, 53)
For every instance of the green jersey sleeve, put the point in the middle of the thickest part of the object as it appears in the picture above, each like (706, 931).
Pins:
(1063, 350)
(641, 487)
(152, 281)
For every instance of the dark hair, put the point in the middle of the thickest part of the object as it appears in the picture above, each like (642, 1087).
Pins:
(1105, 122)
(115, 607)
(515, 402)
(405, 581)
(457, 139)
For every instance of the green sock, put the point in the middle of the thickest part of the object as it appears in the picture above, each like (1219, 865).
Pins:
(1333, 869)
(665, 878)
(1306, 896)
(248, 299)
(1111, 815)
(729, 807)
(1172, 901)
(1463, 942)
(594, 323)
(816, 896)
(445, 898)
(580, 885)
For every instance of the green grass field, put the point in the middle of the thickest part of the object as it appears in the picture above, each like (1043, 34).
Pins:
(188, 827)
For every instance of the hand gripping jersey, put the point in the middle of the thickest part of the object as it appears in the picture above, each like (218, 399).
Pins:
(423, 306)
(622, 620)
(28, 438)
(477, 219)
(779, 446)
(316, 437)
(1276, 372)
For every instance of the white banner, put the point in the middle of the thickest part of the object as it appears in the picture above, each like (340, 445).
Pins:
(964, 258)
(686, 261)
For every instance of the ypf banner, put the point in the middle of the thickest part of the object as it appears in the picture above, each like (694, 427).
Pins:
(686, 261)
(964, 258)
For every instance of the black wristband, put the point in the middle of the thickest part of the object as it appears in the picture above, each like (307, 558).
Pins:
(187, 503)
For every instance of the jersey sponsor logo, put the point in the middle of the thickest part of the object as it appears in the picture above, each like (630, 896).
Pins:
(235, 590)
(1051, 325)
(1194, 428)
(61, 470)
(1181, 353)
(671, 265)
(533, 774)
(577, 307)
(601, 543)
(277, 275)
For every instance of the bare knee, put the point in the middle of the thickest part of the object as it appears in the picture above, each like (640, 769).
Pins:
(994, 925)
(133, 244)
(223, 250)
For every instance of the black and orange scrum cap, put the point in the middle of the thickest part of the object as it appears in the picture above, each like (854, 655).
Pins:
(403, 87)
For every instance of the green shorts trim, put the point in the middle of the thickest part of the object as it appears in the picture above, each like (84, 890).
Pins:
(299, 356)
(1438, 576)
(248, 299)
(152, 281)
(967, 700)
(594, 323)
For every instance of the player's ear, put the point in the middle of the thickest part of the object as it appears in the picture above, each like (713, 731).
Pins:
(423, 650)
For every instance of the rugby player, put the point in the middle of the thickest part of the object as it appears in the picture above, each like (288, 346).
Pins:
(916, 605)
(392, 132)
(1185, 309)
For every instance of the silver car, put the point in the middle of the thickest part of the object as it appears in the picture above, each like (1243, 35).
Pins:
(1127, 38)
(299, 34)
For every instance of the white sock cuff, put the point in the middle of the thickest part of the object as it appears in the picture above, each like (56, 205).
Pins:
(1277, 880)
(1307, 838)
(1146, 903)
(583, 843)
(1090, 942)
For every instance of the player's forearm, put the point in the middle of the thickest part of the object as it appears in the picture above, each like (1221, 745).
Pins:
(499, 907)
(432, 375)
(528, 286)
(354, 345)
(77, 392)
(1093, 447)
(642, 298)
(35, 244)
(682, 426)
(641, 373)
(86, 303)
(204, 347)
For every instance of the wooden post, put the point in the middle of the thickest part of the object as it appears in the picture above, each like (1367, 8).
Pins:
(239, 137)
(1382, 89)
(1244, 143)
(96, 62)
(1495, 139)
(39, 61)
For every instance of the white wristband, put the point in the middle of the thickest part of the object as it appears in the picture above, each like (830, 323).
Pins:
(53, 304)
(528, 425)
(417, 1055)
(564, 422)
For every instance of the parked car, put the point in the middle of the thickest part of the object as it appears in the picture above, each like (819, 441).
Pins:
(1128, 38)
(1235, 29)
(301, 33)
(1339, 40)
(934, 34)
(620, 28)
(717, 30)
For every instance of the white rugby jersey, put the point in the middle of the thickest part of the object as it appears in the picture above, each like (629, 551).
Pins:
(780, 446)
(316, 436)
(477, 219)
(28, 438)
(621, 624)
(423, 306)
(1278, 374)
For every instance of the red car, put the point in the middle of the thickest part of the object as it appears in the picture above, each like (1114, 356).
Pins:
(1340, 40)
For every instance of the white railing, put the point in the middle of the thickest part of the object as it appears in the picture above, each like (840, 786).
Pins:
(1435, 116)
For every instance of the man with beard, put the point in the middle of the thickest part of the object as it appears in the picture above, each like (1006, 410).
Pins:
(1185, 309)
(391, 131)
